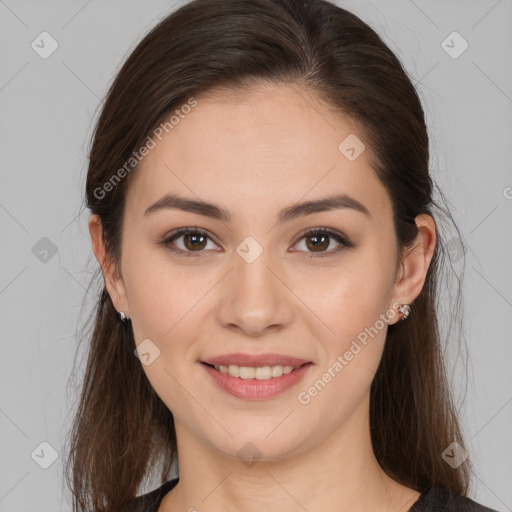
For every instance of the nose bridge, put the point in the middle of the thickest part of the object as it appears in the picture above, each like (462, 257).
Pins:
(256, 298)
(254, 282)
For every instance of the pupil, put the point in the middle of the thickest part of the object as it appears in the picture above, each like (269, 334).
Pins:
(195, 238)
(318, 243)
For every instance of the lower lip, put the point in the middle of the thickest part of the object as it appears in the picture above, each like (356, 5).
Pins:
(254, 389)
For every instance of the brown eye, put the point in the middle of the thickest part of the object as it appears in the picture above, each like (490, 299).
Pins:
(317, 241)
(194, 241)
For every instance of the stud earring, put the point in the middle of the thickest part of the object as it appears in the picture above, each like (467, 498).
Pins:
(405, 310)
(124, 318)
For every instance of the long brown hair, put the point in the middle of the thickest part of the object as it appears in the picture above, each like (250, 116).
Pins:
(122, 431)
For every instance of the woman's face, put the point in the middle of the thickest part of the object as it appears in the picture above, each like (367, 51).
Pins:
(254, 284)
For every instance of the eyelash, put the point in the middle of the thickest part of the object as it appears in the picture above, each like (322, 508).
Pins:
(345, 243)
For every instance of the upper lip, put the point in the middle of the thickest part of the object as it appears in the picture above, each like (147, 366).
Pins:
(249, 360)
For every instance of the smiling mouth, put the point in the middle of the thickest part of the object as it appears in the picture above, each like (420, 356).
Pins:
(254, 372)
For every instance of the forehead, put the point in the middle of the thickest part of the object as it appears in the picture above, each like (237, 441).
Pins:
(256, 148)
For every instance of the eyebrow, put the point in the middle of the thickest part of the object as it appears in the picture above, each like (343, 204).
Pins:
(335, 202)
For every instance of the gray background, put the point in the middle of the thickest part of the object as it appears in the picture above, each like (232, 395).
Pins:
(48, 107)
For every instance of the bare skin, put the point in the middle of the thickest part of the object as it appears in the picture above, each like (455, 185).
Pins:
(255, 155)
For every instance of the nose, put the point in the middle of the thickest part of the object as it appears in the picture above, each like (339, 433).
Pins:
(255, 299)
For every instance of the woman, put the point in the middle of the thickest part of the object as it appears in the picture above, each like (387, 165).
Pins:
(262, 213)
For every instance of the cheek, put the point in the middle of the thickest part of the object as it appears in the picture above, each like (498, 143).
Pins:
(161, 294)
(357, 314)
(350, 296)
(353, 302)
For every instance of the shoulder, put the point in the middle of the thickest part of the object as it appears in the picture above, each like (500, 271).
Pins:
(439, 500)
(151, 501)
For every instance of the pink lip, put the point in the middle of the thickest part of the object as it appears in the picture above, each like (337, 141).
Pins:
(254, 389)
(255, 360)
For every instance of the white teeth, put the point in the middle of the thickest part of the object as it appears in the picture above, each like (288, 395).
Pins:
(277, 371)
(260, 372)
(263, 373)
(233, 370)
(246, 372)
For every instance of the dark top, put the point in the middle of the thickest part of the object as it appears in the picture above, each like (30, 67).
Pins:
(432, 500)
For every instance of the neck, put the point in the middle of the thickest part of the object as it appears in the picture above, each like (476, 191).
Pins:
(340, 473)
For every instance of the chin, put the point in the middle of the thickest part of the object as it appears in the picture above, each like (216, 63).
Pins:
(255, 443)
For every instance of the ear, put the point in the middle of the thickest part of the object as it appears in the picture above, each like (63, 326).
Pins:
(415, 264)
(113, 281)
